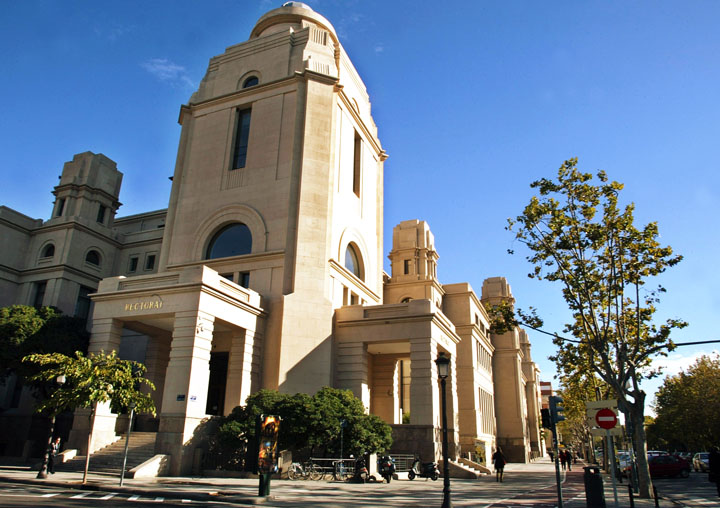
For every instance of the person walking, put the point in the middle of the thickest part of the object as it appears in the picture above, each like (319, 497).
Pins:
(563, 459)
(54, 450)
(499, 462)
(568, 459)
(714, 466)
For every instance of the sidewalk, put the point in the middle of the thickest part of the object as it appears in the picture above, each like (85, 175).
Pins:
(244, 491)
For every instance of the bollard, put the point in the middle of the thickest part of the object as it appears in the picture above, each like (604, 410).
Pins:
(594, 493)
(630, 492)
(657, 504)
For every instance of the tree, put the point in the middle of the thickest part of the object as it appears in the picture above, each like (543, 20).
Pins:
(310, 426)
(579, 237)
(91, 380)
(26, 330)
(687, 408)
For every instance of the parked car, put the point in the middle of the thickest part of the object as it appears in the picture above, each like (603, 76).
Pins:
(701, 462)
(668, 465)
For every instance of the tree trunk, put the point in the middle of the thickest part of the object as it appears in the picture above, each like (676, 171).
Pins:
(637, 414)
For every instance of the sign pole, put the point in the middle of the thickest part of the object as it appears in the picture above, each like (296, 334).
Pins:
(611, 451)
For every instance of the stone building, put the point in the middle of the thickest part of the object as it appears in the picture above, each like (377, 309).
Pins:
(266, 269)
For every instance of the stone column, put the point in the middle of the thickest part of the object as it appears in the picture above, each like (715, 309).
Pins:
(425, 398)
(106, 336)
(243, 365)
(186, 384)
(352, 369)
(157, 356)
(452, 413)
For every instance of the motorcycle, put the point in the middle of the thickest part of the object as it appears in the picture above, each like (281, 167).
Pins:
(386, 467)
(424, 470)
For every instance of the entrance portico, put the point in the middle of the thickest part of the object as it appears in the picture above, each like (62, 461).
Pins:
(189, 316)
(376, 345)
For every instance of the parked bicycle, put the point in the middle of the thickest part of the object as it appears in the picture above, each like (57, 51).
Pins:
(309, 471)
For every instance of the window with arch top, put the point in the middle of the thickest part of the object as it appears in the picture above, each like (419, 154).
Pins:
(251, 81)
(93, 257)
(353, 263)
(48, 251)
(232, 240)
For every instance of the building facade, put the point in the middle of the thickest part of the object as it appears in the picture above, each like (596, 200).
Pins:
(266, 269)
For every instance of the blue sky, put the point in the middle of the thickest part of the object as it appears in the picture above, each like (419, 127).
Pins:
(473, 101)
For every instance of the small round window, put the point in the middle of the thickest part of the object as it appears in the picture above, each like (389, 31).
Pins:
(232, 240)
(352, 262)
(251, 81)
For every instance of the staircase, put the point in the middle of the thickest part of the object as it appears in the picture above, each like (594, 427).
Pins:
(109, 460)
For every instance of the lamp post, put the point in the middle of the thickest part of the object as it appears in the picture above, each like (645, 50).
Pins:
(42, 474)
(127, 441)
(443, 367)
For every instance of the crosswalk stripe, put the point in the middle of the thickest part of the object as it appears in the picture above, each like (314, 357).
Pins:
(159, 499)
(109, 496)
(80, 496)
(133, 498)
(50, 495)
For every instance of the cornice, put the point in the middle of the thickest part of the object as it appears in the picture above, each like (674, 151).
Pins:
(339, 89)
(357, 282)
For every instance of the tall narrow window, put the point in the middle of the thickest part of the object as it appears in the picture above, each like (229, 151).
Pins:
(39, 293)
(406, 266)
(60, 207)
(150, 262)
(242, 135)
(82, 306)
(101, 214)
(132, 266)
(244, 279)
(357, 164)
(353, 262)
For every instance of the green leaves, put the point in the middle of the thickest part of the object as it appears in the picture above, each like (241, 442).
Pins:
(310, 425)
(91, 379)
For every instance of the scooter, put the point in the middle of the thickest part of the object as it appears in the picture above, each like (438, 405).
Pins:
(386, 467)
(424, 470)
(361, 474)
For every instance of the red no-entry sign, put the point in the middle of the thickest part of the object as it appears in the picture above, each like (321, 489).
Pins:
(606, 418)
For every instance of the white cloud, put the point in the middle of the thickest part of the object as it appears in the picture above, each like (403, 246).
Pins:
(165, 70)
(677, 361)
(379, 47)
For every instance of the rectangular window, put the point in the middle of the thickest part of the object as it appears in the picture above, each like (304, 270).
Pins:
(40, 288)
(60, 207)
(82, 306)
(353, 299)
(150, 262)
(244, 279)
(101, 214)
(228, 276)
(242, 135)
(357, 164)
(132, 266)
(406, 266)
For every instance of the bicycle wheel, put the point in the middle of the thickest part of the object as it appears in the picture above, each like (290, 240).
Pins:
(294, 472)
(316, 472)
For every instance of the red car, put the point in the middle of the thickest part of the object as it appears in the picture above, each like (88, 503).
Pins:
(668, 465)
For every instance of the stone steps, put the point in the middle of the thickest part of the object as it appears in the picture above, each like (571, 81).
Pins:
(109, 460)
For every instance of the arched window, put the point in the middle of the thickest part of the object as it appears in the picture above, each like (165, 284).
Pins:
(406, 300)
(352, 262)
(48, 251)
(251, 81)
(93, 257)
(232, 240)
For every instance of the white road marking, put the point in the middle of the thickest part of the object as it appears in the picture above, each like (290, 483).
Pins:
(50, 495)
(80, 496)
(133, 498)
(109, 496)
(159, 499)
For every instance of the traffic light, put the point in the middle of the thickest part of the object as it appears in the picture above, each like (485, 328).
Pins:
(556, 409)
(545, 416)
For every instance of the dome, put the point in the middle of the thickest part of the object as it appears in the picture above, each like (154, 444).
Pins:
(290, 15)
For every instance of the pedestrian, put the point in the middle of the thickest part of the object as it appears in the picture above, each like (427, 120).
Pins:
(563, 459)
(714, 466)
(499, 462)
(552, 455)
(52, 452)
(568, 459)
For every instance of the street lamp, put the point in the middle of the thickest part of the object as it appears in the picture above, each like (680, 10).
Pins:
(127, 441)
(42, 474)
(443, 367)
